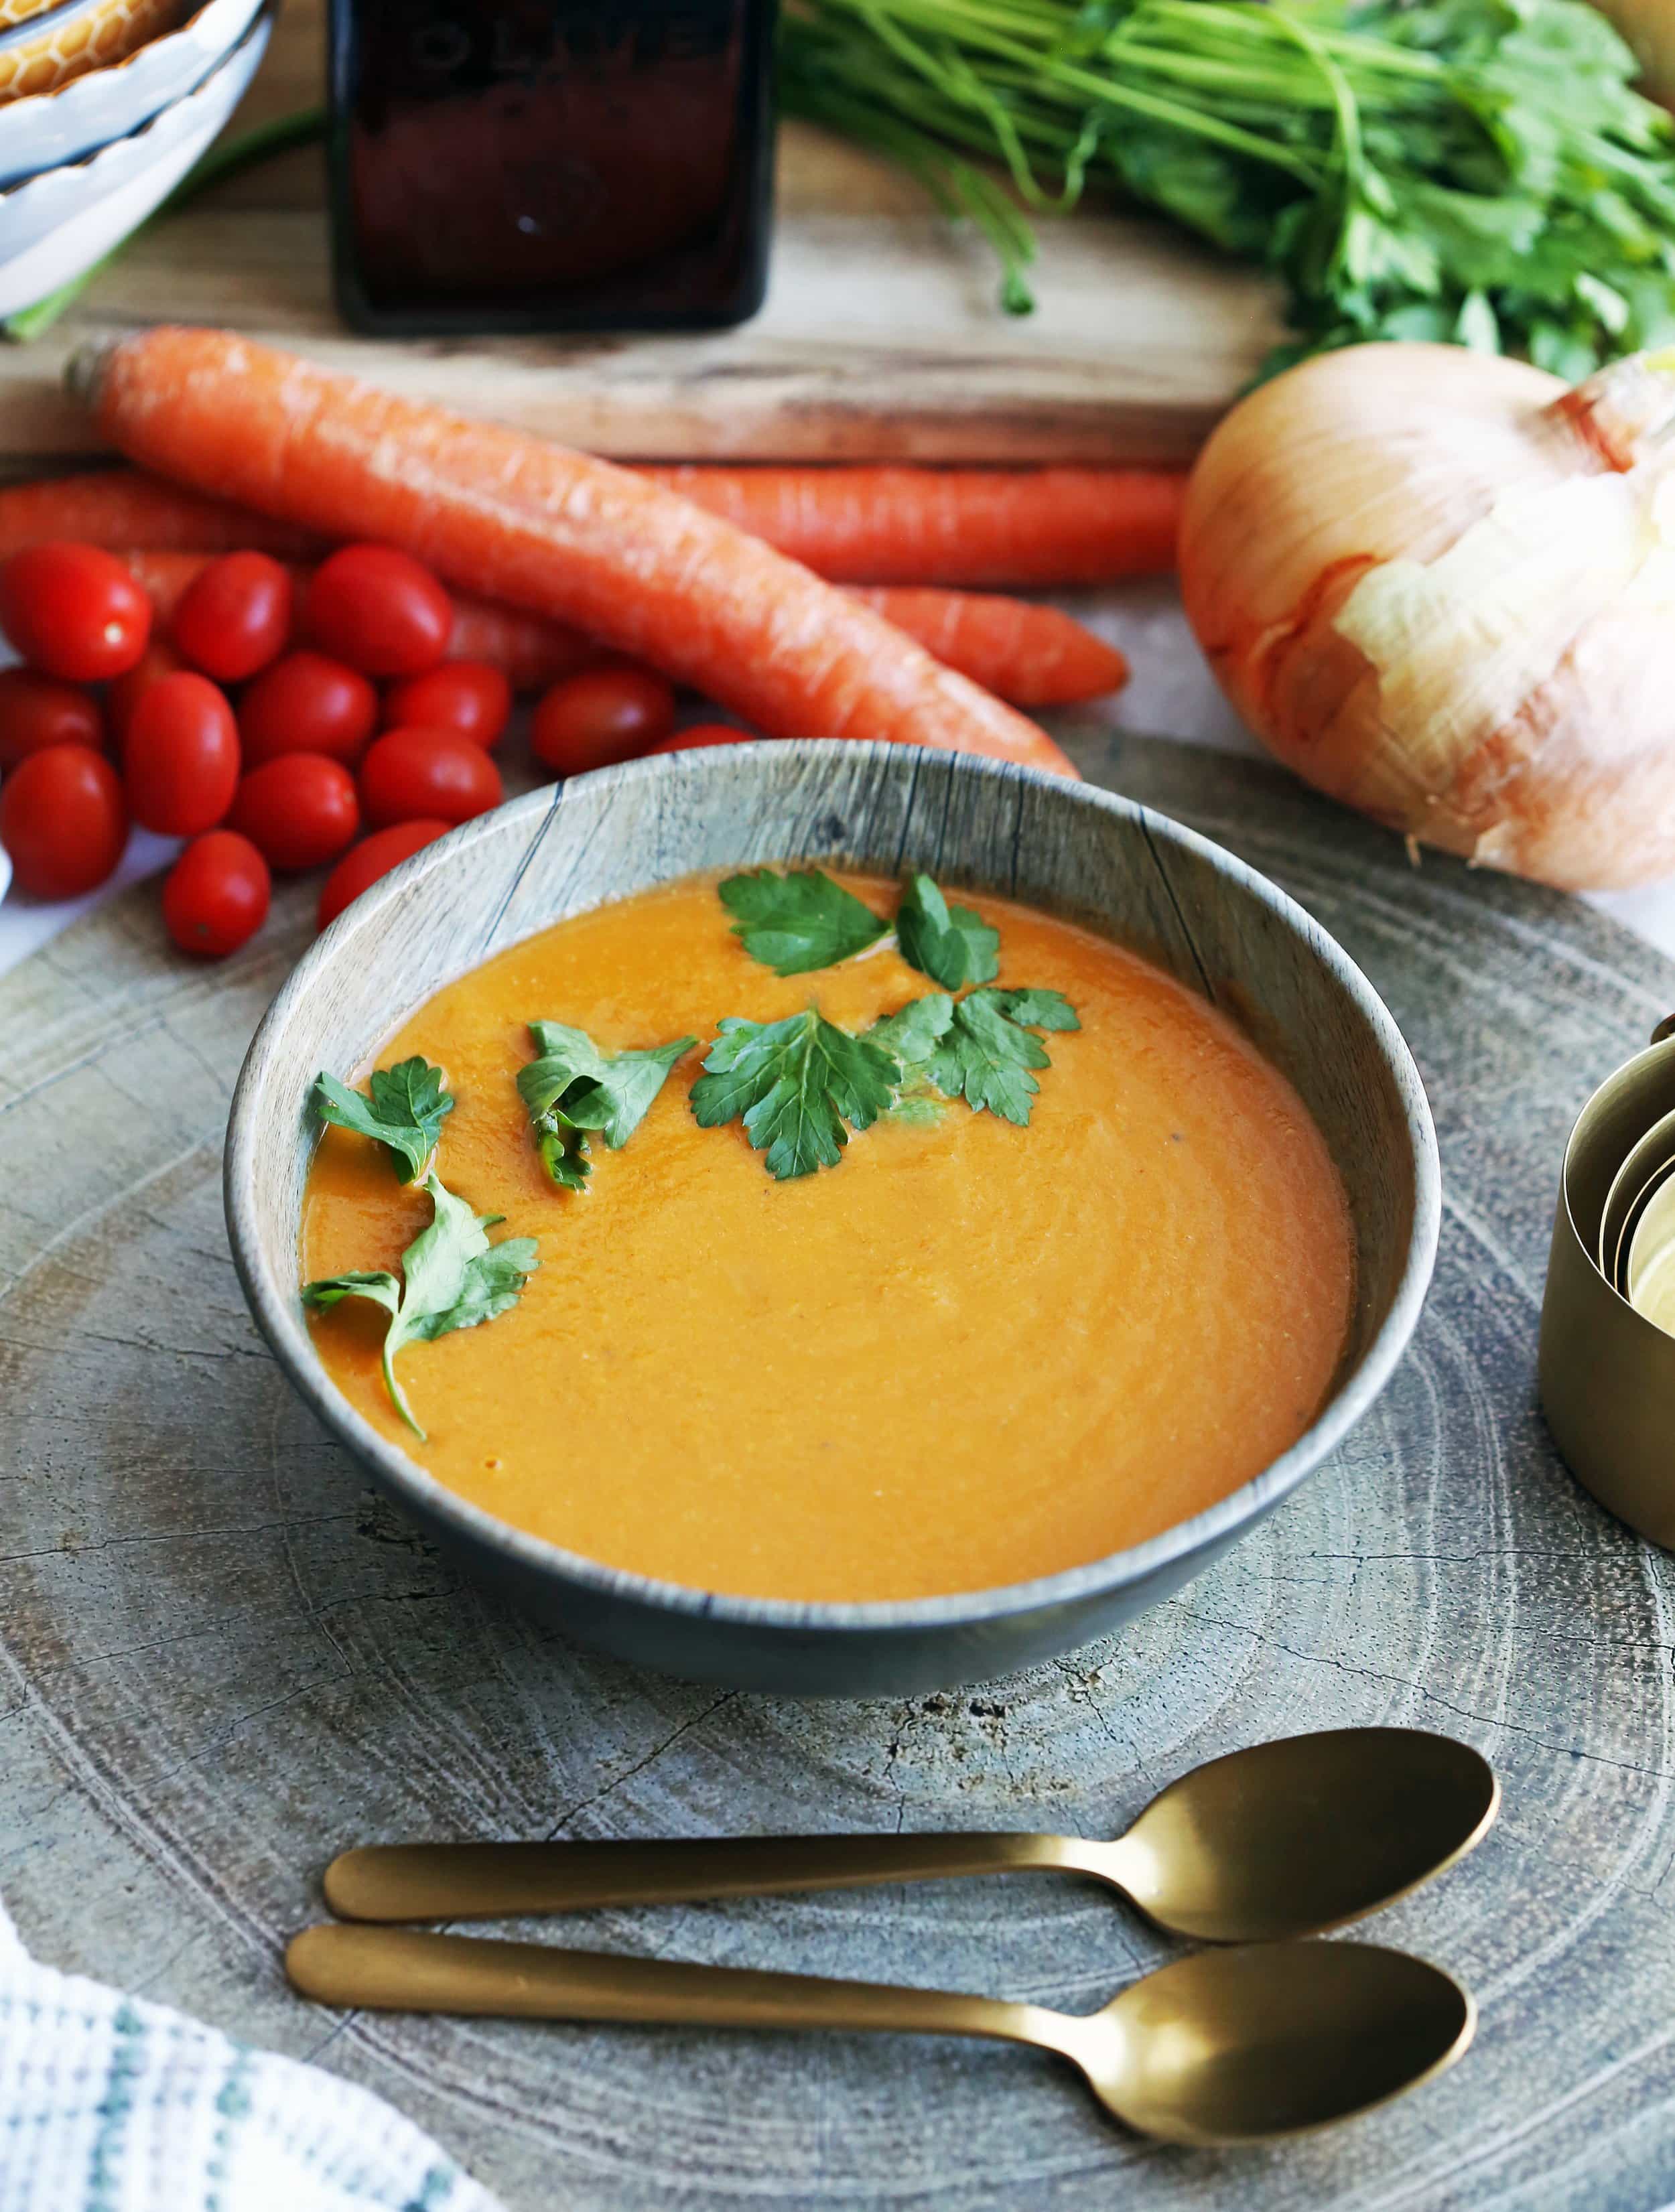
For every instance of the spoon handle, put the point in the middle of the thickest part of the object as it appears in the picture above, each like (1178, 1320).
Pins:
(402, 1970)
(495, 1882)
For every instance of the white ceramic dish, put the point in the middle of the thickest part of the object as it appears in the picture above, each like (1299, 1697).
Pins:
(55, 225)
(49, 130)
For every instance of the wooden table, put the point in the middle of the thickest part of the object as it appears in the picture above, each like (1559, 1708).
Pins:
(882, 334)
(224, 1659)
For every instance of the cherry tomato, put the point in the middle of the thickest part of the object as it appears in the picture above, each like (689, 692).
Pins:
(299, 810)
(306, 704)
(409, 773)
(73, 610)
(216, 896)
(701, 733)
(127, 690)
(36, 711)
(468, 696)
(380, 610)
(180, 758)
(362, 865)
(63, 820)
(235, 617)
(602, 715)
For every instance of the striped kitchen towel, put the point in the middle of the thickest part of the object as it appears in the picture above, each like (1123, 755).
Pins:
(109, 2104)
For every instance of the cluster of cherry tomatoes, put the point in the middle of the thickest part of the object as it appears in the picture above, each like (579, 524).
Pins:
(256, 729)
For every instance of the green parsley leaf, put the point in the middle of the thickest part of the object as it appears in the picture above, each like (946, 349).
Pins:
(1035, 1009)
(800, 920)
(405, 1113)
(988, 1054)
(950, 943)
(452, 1278)
(573, 1087)
(794, 1083)
(913, 1034)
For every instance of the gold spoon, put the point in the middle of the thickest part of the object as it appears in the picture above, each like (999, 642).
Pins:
(1283, 1840)
(1222, 2047)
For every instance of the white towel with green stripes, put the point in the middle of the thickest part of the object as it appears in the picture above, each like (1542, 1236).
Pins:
(109, 2104)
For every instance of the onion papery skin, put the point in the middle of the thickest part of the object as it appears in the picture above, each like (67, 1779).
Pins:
(1525, 719)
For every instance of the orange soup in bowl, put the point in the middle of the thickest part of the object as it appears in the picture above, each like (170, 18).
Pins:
(812, 1308)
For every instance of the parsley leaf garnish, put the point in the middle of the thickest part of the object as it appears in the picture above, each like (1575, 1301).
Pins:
(452, 1278)
(800, 920)
(794, 1083)
(573, 1087)
(987, 1053)
(1035, 1009)
(405, 1113)
(950, 943)
(913, 1034)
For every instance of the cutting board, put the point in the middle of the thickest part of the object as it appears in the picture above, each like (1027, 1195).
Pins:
(222, 1659)
(882, 335)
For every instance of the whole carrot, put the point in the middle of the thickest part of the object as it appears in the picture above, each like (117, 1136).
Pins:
(119, 507)
(542, 528)
(995, 528)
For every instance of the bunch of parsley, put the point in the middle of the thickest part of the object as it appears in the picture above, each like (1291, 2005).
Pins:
(1479, 171)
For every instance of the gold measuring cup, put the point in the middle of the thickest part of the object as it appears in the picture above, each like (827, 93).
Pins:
(1607, 1374)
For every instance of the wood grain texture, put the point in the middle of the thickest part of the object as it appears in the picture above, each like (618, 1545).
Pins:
(224, 1659)
(882, 337)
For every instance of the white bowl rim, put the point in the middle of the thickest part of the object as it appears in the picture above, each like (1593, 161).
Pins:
(277, 1313)
(85, 182)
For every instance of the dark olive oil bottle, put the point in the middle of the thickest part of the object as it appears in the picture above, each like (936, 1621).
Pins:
(550, 165)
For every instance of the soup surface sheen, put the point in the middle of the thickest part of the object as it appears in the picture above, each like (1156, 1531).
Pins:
(970, 1355)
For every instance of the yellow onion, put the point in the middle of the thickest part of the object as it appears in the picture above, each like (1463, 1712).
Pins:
(1440, 585)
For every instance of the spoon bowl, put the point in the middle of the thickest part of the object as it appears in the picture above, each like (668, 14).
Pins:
(1278, 2039)
(1303, 1834)
(1240, 2046)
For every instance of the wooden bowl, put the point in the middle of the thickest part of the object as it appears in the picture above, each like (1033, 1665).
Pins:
(1193, 909)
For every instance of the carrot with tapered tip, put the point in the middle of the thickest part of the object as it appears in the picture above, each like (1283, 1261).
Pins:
(552, 532)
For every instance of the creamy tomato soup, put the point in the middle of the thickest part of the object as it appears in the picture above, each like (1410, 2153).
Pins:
(971, 1354)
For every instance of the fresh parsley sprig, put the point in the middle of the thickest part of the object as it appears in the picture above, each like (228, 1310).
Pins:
(800, 920)
(404, 1112)
(573, 1087)
(450, 1278)
(794, 1083)
(1481, 172)
(951, 944)
(803, 920)
(989, 1052)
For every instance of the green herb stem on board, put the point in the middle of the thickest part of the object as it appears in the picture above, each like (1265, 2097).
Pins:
(1476, 170)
